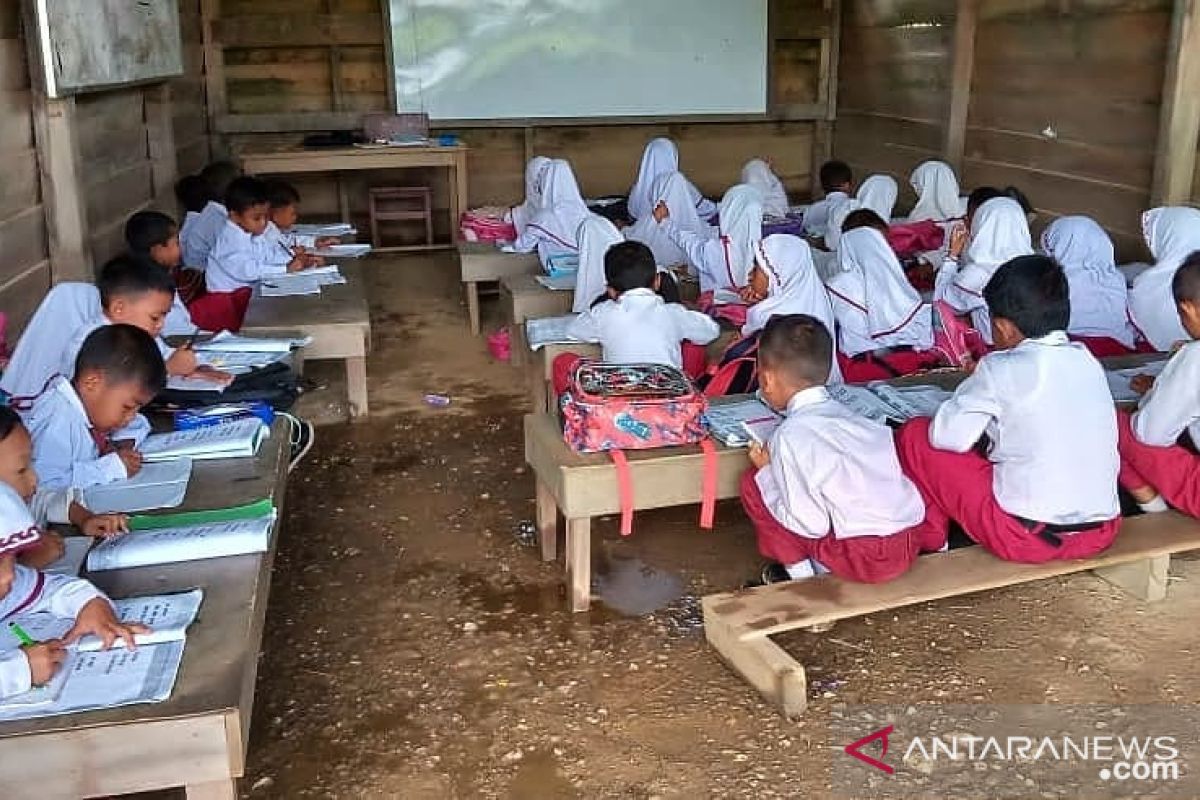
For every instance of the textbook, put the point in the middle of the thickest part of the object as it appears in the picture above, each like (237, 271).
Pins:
(343, 251)
(296, 284)
(237, 363)
(559, 283)
(739, 423)
(156, 485)
(168, 617)
(323, 229)
(142, 548)
(1118, 380)
(226, 342)
(548, 330)
(238, 439)
(183, 519)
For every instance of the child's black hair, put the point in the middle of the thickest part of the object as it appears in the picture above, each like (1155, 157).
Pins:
(281, 194)
(123, 354)
(835, 175)
(131, 276)
(1031, 293)
(147, 229)
(1186, 283)
(10, 420)
(799, 346)
(245, 193)
(629, 265)
(218, 175)
(981, 195)
(864, 218)
(193, 193)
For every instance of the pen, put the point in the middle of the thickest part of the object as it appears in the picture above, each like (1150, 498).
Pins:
(25, 639)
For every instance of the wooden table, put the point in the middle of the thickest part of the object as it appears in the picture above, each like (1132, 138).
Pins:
(354, 159)
(198, 737)
(522, 298)
(482, 261)
(338, 320)
(540, 372)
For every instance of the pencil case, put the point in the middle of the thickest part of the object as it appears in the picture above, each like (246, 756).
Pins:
(205, 416)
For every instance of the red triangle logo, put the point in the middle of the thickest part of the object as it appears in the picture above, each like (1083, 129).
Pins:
(855, 749)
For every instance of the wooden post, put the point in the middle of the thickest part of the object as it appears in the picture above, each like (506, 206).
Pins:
(215, 99)
(335, 63)
(160, 144)
(827, 91)
(960, 88)
(1179, 118)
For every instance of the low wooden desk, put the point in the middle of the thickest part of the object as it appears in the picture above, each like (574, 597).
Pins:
(198, 737)
(540, 372)
(484, 262)
(522, 298)
(338, 320)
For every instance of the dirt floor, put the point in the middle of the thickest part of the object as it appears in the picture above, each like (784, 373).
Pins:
(416, 648)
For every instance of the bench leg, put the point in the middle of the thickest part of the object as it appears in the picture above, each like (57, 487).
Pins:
(778, 677)
(579, 563)
(473, 306)
(547, 522)
(1145, 580)
(356, 386)
(519, 349)
(217, 790)
(537, 385)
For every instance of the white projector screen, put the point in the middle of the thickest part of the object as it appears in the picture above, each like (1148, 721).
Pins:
(518, 59)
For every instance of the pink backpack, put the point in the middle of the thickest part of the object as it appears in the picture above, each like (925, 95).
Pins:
(910, 238)
(486, 225)
(616, 407)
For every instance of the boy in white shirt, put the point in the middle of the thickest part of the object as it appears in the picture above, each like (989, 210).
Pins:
(636, 325)
(1159, 464)
(26, 591)
(119, 370)
(1047, 487)
(153, 237)
(826, 492)
(837, 181)
(279, 242)
(198, 237)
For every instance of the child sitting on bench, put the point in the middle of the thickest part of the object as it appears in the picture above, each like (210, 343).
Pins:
(1044, 484)
(153, 237)
(826, 493)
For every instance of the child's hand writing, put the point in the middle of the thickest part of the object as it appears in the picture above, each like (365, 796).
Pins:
(661, 211)
(959, 236)
(132, 460)
(748, 294)
(1141, 383)
(44, 660)
(313, 260)
(99, 619)
(105, 526)
(297, 264)
(182, 362)
(760, 456)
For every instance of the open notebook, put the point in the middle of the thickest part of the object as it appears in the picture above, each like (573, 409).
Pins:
(542, 331)
(1118, 380)
(344, 251)
(140, 548)
(157, 485)
(238, 439)
(226, 342)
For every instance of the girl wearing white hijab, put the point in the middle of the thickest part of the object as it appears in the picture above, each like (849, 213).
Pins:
(535, 172)
(937, 191)
(722, 261)
(673, 190)
(596, 235)
(879, 193)
(999, 233)
(1172, 234)
(1099, 297)
(757, 173)
(659, 157)
(553, 227)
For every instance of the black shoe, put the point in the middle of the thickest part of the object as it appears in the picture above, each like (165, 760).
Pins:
(773, 573)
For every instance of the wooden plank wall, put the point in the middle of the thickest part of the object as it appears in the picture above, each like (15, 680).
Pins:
(25, 266)
(189, 116)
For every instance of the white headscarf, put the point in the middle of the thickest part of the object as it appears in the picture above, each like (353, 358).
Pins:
(672, 188)
(878, 193)
(891, 301)
(999, 233)
(562, 205)
(660, 156)
(838, 211)
(1172, 234)
(535, 171)
(596, 235)
(757, 173)
(793, 286)
(937, 193)
(741, 229)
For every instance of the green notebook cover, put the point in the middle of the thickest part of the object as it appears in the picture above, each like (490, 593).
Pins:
(144, 522)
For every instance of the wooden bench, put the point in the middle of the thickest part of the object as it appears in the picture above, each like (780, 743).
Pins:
(482, 261)
(338, 320)
(584, 485)
(198, 737)
(739, 624)
(522, 298)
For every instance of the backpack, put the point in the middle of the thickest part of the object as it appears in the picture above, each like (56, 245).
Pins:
(486, 224)
(616, 407)
(911, 238)
(737, 371)
(275, 384)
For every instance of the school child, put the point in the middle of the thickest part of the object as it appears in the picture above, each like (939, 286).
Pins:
(1172, 234)
(723, 260)
(1159, 464)
(535, 175)
(1040, 409)
(279, 240)
(757, 173)
(636, 325)
(837, 181)
(596, 235)
(152, 237)
(661, 157)
(1099, 296)
(784, 281)
(826, 492)
(27, 591)
(119, 370)
(937, 193)
(39, 354)
(878, 193)
(999, 232)
(192, 193)
(884, 328)
(553, 228)
(672, 190)
(198, 240)
(48, 506)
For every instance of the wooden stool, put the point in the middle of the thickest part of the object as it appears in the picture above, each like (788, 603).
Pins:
(401, 204)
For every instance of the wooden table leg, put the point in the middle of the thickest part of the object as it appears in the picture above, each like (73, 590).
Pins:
(579, 563)
(520, 347)
(458, 191)
(536, 376)
(473, 306)
(356, 386)
(217, 790)
(547, 522)
(1145, 580)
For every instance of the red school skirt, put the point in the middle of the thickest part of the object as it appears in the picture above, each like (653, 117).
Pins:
(220, 311)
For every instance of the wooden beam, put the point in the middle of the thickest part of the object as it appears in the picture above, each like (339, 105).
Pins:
(216, 101)
(960, 87)
(1179, 120)
(833, 55)
(160, 144)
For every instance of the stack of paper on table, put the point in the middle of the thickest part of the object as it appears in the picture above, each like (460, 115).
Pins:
(238, 439)
(343, 251)
(324, 229)
(559, 283)
(226, 342)
(140, 548)
(156, 485)
(542, 331)
(1118, 380)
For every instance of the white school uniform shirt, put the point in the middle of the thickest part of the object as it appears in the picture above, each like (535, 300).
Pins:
(1172, 234)
(1173, 403)
(178, 321)
(999, 233)
(673, 189)
(236, 262)
(39, 352)
(837, 218)
(640, 328)
(833, 471)
(53, 506)
(724, 261)
(1099, 296)
(816, 216)
(274, 246)
(938, 196)
(757, 173)
(189, 224)
(596, 235)
(1046, 407)
(535, 172)
(879, 193)
(75, 344)
(553, 229)
(64, 452)
(661, 157)
(875, 305)
(203, 235)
